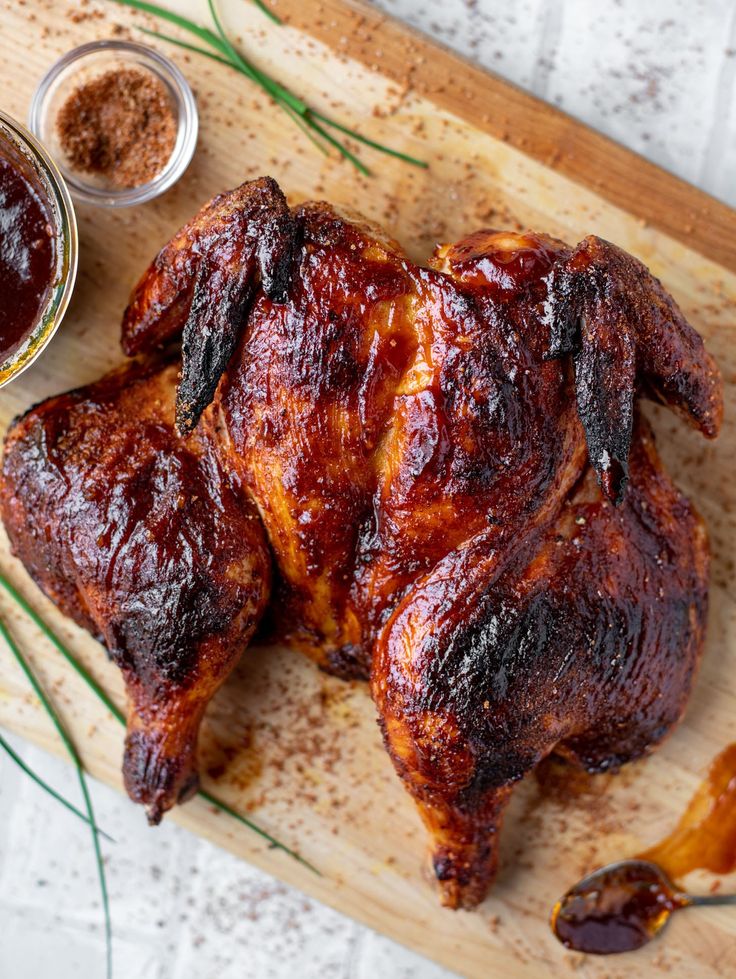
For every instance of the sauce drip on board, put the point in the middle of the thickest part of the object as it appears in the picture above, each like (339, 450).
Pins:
(705, 837)
(623, 906)
(27, 257)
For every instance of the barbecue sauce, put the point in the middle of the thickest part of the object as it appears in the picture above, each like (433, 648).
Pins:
(705, 837)
(27, 257)
(621, 907)
(617, 909)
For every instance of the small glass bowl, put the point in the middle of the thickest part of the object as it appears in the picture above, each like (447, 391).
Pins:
(86, 62)
(41, 172)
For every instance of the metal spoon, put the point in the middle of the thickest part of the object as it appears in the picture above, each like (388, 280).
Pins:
(621, 907)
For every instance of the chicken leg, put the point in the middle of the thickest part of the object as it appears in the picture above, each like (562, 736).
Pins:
(145, 541)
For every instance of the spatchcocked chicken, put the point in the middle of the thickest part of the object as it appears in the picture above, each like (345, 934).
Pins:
(460, 499)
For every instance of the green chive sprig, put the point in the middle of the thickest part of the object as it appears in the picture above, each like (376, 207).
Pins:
(267, 11)
(77, 761)
(311, 121)
(35, 777)
(102, 695)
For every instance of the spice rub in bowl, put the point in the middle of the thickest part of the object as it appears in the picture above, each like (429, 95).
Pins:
(121, 120)
(120, 125)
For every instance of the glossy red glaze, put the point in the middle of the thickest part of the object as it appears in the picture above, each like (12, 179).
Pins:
(26, 257)
(502, 262)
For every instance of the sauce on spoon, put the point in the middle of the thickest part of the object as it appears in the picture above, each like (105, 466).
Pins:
(622, 906)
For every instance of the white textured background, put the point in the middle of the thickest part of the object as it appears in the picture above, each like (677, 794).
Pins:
(657, 75)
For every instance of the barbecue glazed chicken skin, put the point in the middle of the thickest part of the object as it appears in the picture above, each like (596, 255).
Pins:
(144, 540)
(460, 497)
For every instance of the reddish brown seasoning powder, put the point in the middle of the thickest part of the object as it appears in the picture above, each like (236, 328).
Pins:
(120, 125)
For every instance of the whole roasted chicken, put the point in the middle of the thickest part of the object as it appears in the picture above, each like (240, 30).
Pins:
(461, 499)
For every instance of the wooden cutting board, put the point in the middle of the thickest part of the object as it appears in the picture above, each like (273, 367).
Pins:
(299, 751)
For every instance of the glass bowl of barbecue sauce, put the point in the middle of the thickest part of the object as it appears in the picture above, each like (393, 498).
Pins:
(38, 248)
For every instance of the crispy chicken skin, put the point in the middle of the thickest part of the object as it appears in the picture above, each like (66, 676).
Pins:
(580, 640)
(460, 497)
(146, 541)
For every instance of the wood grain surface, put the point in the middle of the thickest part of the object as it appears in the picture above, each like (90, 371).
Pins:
(299, 751)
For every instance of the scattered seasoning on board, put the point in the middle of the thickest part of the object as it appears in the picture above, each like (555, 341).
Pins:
(120, 125)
